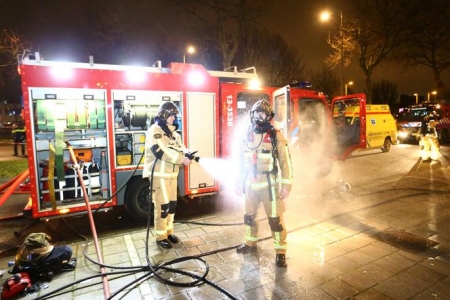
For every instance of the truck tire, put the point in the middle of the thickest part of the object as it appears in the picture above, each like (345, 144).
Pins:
(386, 145)
(137, 200)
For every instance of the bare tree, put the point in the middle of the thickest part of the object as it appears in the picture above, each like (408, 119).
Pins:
(276, 61)
(226, 21)
(376, 31)
(343, 46)
(326, 81)
(134, 28)
(427, 40)
(11, 45)
(385, 92)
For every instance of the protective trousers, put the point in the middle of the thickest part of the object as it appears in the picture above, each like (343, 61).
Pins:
(16, 148)
(164, 197)
(429, 147)
(274, 209)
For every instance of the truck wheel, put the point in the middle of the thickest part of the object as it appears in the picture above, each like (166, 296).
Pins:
(386, 145)
(137, 201)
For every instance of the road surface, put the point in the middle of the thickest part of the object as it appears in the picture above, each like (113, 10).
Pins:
(363, 167)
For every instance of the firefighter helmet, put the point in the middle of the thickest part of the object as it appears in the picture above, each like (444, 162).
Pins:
(34, 249)
(261, 123)
(263, 106)
(167, 109)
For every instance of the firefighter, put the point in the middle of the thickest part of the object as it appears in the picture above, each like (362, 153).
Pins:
(265, 177)
(429, 144)
(164, 154)
(18, 136)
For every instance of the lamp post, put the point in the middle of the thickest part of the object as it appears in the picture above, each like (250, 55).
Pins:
(189, 50)
(341, 36)
(417, 98)
(346, 86)
(434, 93)
(325, 16)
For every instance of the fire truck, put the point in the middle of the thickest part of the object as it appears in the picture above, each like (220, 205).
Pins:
(102, 112)
(411, 118)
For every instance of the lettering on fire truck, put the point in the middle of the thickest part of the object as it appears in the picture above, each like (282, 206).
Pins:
(230, 115)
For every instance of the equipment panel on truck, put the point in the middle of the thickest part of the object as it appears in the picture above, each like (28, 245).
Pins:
(103, 112)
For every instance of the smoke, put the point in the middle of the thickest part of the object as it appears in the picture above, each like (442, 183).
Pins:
(313, 168)
(311, 147)
(226, 170)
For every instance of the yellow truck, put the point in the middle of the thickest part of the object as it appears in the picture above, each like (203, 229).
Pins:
(358, 125)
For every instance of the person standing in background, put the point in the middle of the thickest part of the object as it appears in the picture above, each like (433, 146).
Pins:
(19, 137)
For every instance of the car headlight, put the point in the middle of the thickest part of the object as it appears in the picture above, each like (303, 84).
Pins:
(402, 134)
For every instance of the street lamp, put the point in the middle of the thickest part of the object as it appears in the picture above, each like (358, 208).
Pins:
(189, 50)
(417, 98)
(434, 93)
(346, 86)
(325, 16)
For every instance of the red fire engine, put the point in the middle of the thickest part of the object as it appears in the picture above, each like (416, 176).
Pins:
(443, 122)
(411, 118)
(103, 111)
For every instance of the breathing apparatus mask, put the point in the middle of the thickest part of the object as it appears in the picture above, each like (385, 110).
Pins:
(261, 121)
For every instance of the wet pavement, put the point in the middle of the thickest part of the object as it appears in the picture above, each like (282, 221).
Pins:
(384, 239)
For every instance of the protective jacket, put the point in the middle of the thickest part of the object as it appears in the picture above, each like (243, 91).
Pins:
(260, 155)
(164, 153)
(18, 134)
(265, 156)
(166, 148)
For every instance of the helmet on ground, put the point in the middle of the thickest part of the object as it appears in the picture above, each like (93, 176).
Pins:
(167, 109)
(34, 249)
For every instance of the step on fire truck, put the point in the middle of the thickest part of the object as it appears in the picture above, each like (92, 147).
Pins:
(103, 112)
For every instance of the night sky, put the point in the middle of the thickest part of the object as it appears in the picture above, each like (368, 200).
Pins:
(296, 20)
(299, 24)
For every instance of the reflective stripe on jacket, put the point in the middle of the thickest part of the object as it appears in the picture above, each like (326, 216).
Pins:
(18, 134)
(170, 150)
(258, 161)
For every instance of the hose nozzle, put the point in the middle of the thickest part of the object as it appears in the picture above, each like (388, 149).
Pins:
(191, 156)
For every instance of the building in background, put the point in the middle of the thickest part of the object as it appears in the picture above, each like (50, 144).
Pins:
(9, 114)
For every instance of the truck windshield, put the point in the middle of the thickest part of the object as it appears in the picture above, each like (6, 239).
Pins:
(417, 114)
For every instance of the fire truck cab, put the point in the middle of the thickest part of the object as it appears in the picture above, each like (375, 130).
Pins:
(304, 116)
(411, 118)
